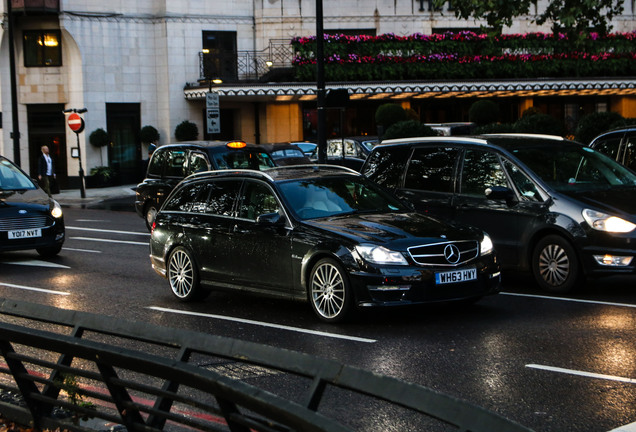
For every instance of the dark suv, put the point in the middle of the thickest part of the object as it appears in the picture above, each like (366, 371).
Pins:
(550, 205)
(172, 163)
(619, 144)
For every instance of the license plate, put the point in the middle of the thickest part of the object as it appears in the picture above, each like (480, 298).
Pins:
(26, 233)
(456, 276)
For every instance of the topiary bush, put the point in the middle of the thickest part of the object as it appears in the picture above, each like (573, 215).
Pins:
(483, 112)
(408, 129)
(99, 138)
(389, 114)
(539, 124)
(148, 134)
(186, 131)
(592, 125)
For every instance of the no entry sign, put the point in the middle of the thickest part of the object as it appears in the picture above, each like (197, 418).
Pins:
(76, 123)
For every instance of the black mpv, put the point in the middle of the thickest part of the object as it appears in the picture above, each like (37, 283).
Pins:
(318, 233)
(551, 205)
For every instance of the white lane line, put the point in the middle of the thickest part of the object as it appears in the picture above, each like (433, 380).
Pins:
(82, 250)
(146, 234)
(36, 263)
(571, 300)
(110, 241)
(582, 373)
(626, 428)
(264, 324)
(35, 289)
(91, 220)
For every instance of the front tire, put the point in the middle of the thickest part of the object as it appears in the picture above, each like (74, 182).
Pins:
(183, 275)
(329, 291)
(555, 265)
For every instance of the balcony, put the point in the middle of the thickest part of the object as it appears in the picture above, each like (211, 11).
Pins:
(270, 64)
(35, 7)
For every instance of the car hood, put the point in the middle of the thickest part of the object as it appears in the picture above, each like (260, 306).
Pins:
(32, 198)
(617, 200)
(398, 229)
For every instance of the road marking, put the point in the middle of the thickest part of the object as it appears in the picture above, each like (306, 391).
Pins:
(582, 373)
(147, 234)
(91, 220)
(36, 263)
(82, 250)
(35, 289)
(109, 241)
(626, 428)
(571, 300)
(264, 324)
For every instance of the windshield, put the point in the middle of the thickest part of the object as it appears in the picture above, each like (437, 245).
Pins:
(573, 168)
(11, 178)
(334, 196)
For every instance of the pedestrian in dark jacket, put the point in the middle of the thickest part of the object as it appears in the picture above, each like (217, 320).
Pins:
(46, 170)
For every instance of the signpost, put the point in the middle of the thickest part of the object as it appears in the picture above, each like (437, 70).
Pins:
(76, 124)
(213, 113)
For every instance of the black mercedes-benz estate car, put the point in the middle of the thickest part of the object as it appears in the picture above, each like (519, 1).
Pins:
(172, 163)
(29, 218)
(318, 233)
(553, 206)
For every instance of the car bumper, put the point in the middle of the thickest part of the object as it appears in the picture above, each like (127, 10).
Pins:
(411, 285)
(600, 261)
(51, 237)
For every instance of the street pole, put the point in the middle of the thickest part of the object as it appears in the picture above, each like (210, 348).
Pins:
(14, 92)
(81, 170)
(320, 84)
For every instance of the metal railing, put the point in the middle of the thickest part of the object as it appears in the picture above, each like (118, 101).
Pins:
(150, 378)
(245, 65)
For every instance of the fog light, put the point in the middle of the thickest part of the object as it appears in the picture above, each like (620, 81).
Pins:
(613, 260)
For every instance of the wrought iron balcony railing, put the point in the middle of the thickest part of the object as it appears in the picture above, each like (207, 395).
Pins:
(231, 66)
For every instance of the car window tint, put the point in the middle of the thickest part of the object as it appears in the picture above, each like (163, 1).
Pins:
(12, 178)
(156, 163)
(431, 169)
(257, 199)
(175, 163)
(480, 171)
(526, 187)
(223, 194)
(190, 198)
(629, 152)
(609, 146)
(198, 162)
(243, 160)
(386, 165)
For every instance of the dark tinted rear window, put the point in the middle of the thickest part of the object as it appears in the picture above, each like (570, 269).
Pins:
(385, 165)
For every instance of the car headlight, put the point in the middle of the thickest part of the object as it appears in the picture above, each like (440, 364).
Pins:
(380, 255)
(604, 222)
(485, 246)
(56, 209)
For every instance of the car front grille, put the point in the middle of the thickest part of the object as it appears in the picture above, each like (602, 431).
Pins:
(445, 253)
(10, 224)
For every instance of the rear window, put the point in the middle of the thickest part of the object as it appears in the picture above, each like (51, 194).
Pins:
(385, 165)
(243, 160)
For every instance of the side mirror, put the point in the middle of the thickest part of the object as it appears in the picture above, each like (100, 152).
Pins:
(270, 219)
(501, 193)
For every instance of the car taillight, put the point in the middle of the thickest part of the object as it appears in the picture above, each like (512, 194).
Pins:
(152, 228)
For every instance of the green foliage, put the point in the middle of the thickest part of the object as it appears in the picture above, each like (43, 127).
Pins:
(408, 129)
(539, 124)
(99, 138)
(103, 172)
(497, 13)
(591, 125)
(622, 123)
(484, 111)
(149, 134)
(495, 128)
(389, 114)
(186, 131)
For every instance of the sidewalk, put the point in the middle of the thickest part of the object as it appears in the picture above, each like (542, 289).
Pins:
(121, 196)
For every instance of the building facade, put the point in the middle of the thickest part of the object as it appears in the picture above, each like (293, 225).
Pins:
(151, 62)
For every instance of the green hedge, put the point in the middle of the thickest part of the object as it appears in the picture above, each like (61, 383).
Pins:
(466, 55)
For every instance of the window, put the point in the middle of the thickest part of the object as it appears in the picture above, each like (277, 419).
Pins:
(385, 166)
(431, 169)
(481, 170)
(175, 162)
(156, 163)
(220, 59)
(257, 200)
(191, 198)
(527, 189)
(222, 197)
(198, 163)
(42, 48)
